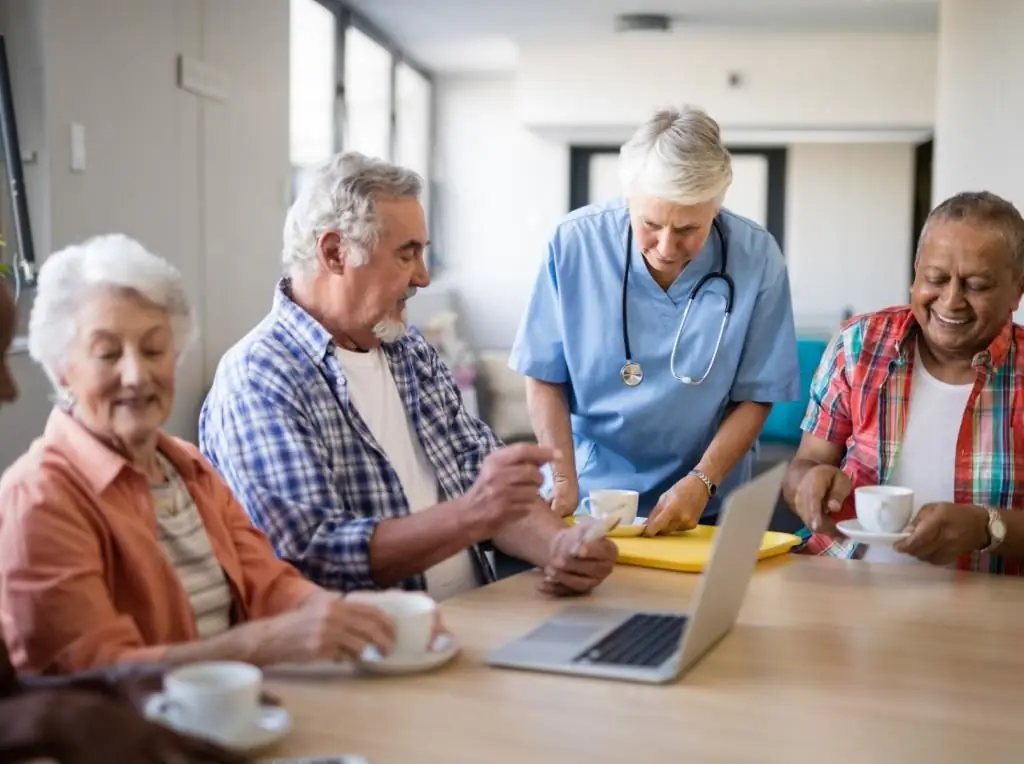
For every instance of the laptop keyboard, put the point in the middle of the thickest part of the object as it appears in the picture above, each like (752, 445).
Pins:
(642, 640)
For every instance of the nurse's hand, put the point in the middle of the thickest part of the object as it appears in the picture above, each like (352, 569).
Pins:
(679, 508)
(820, 494)
(565, 497)
(575, 566)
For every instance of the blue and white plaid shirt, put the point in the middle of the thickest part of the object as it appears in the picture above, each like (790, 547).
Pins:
(278, 426)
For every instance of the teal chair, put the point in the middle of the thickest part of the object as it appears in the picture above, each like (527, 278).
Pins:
(783, 425)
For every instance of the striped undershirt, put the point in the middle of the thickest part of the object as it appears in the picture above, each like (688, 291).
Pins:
(187, 545)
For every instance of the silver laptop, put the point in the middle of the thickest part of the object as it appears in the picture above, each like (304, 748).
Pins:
(658, 647)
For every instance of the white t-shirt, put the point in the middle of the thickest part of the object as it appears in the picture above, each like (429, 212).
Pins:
(373, 393)
(926, 462)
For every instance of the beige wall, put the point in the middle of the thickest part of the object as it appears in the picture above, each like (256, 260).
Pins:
(201, 183)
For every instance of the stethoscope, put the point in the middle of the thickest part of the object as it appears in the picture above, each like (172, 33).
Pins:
(632, 374)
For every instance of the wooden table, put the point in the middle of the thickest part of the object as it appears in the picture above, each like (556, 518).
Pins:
(831, 661)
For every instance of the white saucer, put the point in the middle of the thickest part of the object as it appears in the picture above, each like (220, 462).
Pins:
(272, 723)
(636, 528)
(852, 530)
(628, 531)
(409, 664)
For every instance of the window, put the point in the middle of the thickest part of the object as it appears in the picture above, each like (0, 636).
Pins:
(363, 95)
(312, 76)
(368, 92)
(413, 129)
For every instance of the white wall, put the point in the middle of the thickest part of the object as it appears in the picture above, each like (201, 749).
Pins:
(849, 222)
(201, 183)
(796, 80)
(502, 189)
(980, 106)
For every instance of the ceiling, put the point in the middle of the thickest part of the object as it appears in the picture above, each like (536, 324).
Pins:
(483, 35)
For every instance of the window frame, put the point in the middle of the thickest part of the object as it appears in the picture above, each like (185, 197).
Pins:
(346, 17)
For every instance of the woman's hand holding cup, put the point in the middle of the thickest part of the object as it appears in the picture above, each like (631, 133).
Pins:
(326, 627)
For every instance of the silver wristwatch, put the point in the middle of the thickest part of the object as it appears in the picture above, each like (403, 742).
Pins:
(996, 530)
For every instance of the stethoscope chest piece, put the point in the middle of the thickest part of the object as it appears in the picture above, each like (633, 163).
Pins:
(632, 375)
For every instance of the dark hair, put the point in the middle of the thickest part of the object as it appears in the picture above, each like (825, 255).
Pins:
(983, 208)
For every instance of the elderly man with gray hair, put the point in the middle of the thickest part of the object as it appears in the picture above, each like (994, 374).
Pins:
(659, 333)
(344, 435)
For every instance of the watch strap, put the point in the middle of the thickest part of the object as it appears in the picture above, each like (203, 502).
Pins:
(996, 531)
(708, 482)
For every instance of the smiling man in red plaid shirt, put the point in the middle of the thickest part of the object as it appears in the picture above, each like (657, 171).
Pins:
(929, 396)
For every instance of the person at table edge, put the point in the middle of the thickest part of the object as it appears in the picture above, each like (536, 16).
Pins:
(343, 433)
(90, 715)
(929, 396)
(682, 446)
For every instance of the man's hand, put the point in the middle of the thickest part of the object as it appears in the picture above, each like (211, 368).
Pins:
(679, 508)
(575, 566)
(942, 532)
(507, 488)
(566, 495)
(821, 493)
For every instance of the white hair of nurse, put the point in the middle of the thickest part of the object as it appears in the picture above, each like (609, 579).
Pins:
(340, 196)
(677, 156)
(70, 277)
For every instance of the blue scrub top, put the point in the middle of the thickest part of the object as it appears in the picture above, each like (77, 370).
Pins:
(648, 437)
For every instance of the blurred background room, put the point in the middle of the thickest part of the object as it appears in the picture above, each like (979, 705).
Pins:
(190, 124)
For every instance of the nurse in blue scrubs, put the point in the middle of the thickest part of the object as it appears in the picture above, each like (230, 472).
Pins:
(602, 326)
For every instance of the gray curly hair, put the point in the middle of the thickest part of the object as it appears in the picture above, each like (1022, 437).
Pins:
(341, 196)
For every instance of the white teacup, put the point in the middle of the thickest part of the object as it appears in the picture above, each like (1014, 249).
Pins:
(884, 508)
(607, 503)
(414, 614)
(212, 698)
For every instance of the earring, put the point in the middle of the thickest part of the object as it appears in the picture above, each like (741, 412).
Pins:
(64, 399)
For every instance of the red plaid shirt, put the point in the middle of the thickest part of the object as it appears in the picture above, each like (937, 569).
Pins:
(860, 397)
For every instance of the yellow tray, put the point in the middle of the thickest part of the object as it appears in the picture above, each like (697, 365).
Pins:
(689, 551)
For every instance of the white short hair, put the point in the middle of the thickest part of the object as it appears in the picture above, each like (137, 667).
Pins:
(74, 275)
(677, 155)
(341, 196)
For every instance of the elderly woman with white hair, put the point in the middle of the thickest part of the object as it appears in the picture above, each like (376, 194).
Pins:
(659, 333)
(119, 543)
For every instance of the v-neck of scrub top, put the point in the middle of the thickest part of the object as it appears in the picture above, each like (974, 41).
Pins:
(670, 302)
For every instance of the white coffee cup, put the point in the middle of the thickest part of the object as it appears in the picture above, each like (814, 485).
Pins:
(884, 508)
(606, 503)
(212, 698)
(414, 614)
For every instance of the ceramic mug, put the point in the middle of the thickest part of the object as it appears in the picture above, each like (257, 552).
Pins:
(212, 698)
(414, 614)
(884, 508)
(604, 504)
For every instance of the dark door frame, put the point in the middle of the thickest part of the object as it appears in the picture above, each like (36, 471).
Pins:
(579, 180)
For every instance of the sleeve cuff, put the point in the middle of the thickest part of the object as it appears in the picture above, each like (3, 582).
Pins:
(348, 552)
(762, 393)
(545, 371)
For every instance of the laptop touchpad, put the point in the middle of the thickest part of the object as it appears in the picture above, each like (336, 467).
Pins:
(564, 632)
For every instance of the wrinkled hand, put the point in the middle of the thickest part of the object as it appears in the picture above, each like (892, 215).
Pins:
(326, 627)
(575, 566)
(87, 728)
(942, 532)
(679, 508)
(820, 494)
(566, 495)
(507, 488)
